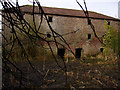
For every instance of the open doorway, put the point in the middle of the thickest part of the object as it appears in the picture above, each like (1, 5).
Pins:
(78, 52)
(61, 52)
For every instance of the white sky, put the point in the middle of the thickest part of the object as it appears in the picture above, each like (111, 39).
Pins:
(106, 7)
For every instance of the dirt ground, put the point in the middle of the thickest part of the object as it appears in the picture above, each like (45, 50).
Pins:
(81, 73)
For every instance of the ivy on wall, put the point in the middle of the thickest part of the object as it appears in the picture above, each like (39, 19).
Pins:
(110, 39)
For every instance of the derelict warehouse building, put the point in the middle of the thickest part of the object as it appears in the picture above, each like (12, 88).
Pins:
(73, 26)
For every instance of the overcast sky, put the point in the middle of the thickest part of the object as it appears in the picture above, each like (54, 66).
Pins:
(106, 7)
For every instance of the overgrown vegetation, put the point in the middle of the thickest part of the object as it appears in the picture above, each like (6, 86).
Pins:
(110, 40)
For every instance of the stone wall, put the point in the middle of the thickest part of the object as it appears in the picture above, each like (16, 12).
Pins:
(74, 30)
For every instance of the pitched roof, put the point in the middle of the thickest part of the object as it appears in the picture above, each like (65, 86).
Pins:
(65, 12)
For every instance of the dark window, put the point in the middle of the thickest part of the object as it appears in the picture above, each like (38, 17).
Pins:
(108, 23)
(103, 35)
(50, 18)
(89, 36)
(78, 52)
(48, 35)
(89, 22)
(61, 52)
(101, 49)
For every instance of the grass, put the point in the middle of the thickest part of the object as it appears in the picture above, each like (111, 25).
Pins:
(86, 72)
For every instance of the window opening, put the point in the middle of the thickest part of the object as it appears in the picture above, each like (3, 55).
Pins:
(101, 49)
(108, 23)
(89, 36)
(61, 52)
(50, 18)
(48, 35)
(78, 52)
(103, 35)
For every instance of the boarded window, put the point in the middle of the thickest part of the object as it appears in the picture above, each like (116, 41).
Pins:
(61, 52)
(78, 52)
(50, 18)
(89, 36)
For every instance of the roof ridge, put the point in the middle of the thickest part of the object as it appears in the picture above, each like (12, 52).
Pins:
(72, 10)
(67, 12)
